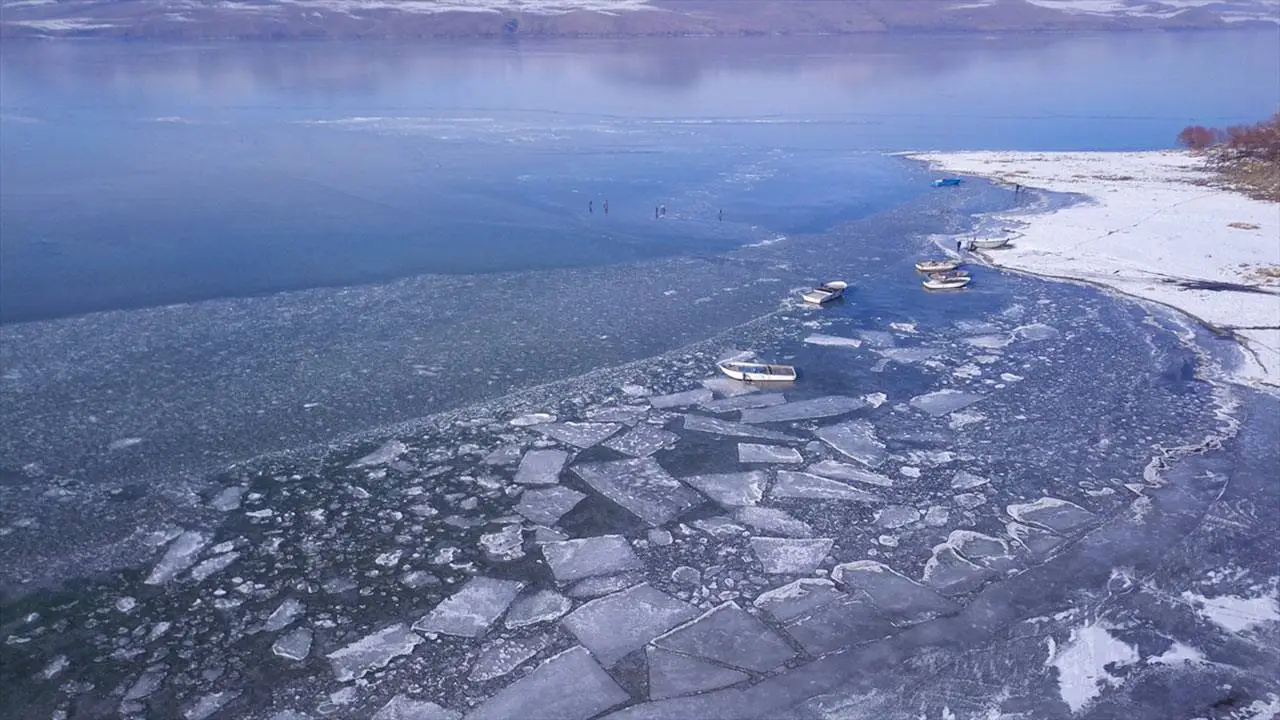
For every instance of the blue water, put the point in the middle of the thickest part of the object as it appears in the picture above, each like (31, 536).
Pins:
(134, 175)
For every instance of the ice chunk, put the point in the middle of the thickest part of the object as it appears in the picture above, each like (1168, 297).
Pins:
(373, 652)
(772, 520)
(729, 635)
(1035, 332)
(990, 342)
(837, 625)
(731, 489)
(502, 656)
(754, 453)
(941, 402)
(470, 611)
(642, 441)
(503, 545)
(787, 556)
(229, 498)
(546, 506)
(505, 455)
(878, 338)
(1038, 542)
(1052, 514)
(969, 501)
(909, 355)
(541, 467)
(604, 584)
(588, 557)
(180, 555)
(951, 574)
(901, 599)
(832, 341)
(984, 550)
(827, 406)
(719, 527)
(856, 439)
(401, 707)
(615, 625)
(681, 399)
(215, 564)
(798, 598)
(541, 606)
(532, 419)
(715, 426)
(744, 402)
(210, 704)
(963, 419)
(577, 434)
(625, 414)
(569, 686)
(791, 484)
(288, 611)
(641, 486)
(391, 450)
(849, 473)
(673, 675)
(964, 480)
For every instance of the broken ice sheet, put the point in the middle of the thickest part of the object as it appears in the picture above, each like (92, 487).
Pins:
(473, 609)
(849, 473)
(501, 656)
(180, 555)
(790, 556)
(731, 489)
(569, 686)
(900, 598)
(541, 606)
(772, 520)
(641, 486)
(715, 426)
(950, 574)
(546, 506)
(1050, 513)
(673, 675)
(681, 399)
(588, 557)
(791, 484)
(755, 453)
(744, 402)
(727, 634)
(402, 707)
(642, 441)
(541, 467)
(941, 402)
(578, 434)
(391, 450)
(373, 652)
(293, 645)
(613, 626)
(828, 406)
(288, 611)
(857, 440)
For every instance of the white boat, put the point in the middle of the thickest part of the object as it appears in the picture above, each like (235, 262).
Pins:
(935, 266)
(757, 372)
(825, 292)
(990, 243)
(946, 282)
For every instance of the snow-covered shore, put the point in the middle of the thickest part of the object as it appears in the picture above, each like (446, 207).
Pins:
(1149, 231)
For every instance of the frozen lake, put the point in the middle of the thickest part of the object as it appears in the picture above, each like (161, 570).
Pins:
(329, 386)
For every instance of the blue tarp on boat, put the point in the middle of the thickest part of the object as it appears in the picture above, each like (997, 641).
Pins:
(947, 182)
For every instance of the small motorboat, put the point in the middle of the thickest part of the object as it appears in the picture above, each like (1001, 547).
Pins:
(936, 266)
(949, 275)
(825, 292)
(757, 372)
(947, 182)
(989, 243)
(946, 282)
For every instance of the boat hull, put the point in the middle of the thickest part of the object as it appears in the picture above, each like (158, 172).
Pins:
(948, 284)
(752, 372)
(933, 266)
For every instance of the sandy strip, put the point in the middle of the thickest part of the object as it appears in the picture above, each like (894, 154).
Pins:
(1148, 231)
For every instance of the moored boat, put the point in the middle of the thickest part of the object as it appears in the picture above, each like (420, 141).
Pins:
(947, 182)
(989, 243)
(946, 282)
(757, 372)
(825, 292)
(934, 266)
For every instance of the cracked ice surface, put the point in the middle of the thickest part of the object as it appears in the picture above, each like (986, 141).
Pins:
(851, 473)
(791, 556)
(729, 635)
(744, 402)
(642, 441)
(541, 467)
(401, 707)
(569, 686)
(473, 609)
(828, 406)
(681, 399)
(1051, 513)
(672, 674)
(856, 439)
(715, 426)
(791, 484)
(373, 651)
(941, 402)
(902, 599)
(641, 486)
(579, 434)
(588, 557)
(618, 624)
(731, 489)
(541, 606)
(546, 506)
(755, 453)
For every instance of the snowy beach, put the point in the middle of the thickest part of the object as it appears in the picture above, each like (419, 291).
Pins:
(1149, 230)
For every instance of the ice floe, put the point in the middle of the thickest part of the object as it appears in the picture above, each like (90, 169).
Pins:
(289, 610)
(473, 609)
(798, 598)
(391, 450)
(731, 489)
(744, 402)
(1053, 514)
(579, 434)
(729, 635)
(756, 453)
(402, 707)
(546, 506)
(541, 467)
(373, 652)
(568, 686)
(293, 645)
(849, 473)
(901, 599)
(641, 486)
(181, 555)
(616, 625)
(642, 441)
(791, 556)
(855, 439)
(833, 341)
(950, 574)
(673, 674)
(588, 557)
(715, 426)
(541, 606)
(532, 419)
(593, 587)
(944, 401)
(822, 407)
(501, 656)
(228, 499)
(1038, 542)
(965, 480)
(772, 520)
(896, 516)
(503, 545)
(681, 399)
(791, 484)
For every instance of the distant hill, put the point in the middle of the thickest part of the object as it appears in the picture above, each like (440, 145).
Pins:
(407, 19)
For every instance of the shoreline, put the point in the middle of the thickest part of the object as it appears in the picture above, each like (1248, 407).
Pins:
(1148, 230)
